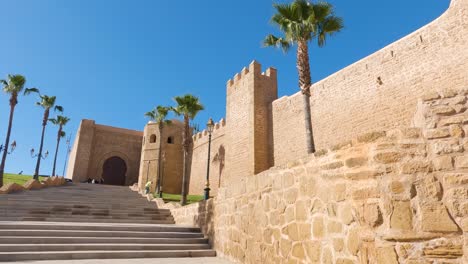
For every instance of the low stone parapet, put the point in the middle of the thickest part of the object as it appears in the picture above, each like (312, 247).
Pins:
(32, 185)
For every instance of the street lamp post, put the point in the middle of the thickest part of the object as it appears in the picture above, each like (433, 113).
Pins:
(209, 128)
(12, 147)
(37, 155)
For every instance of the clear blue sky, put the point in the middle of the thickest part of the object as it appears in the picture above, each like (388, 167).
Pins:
(114, 60)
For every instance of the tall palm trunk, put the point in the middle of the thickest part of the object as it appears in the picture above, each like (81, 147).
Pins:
(158, 181)
(56, 149)
(305, 82)
(186, 145)
(39, 155)
(13, 102)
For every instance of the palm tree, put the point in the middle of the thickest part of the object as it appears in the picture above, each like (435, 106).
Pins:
(59, 121)
(302, 21)
(13, 86)
(46, 102)
(159, 115)
(188, 106)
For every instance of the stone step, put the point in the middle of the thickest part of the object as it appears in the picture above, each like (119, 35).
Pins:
(61, 255)
(97, 226)
(85, 220)
(70, 211)
(64, 207)
(88, 216)
(94, 233)
(93, 247)
(97, 240)
(78, 202)
(85, 215)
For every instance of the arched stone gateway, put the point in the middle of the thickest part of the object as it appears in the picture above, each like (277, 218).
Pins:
(114, 171)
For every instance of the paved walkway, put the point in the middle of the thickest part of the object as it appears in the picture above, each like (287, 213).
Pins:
(132, 261)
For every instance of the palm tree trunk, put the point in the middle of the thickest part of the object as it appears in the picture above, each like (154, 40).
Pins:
(56, 149)
(158, 182)
(39, 155)
(305, 82)
(186, 143)
(13, 102)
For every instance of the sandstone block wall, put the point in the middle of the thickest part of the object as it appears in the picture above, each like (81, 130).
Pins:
(379, 91)
(399, 196)
(95, 143)
(171, 166)
(200, 159)
(249, 121)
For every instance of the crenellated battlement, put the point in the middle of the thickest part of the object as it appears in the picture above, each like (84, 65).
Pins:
(256, 69)
(200, 135)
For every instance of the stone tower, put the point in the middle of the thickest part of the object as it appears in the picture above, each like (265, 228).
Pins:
(249, 121)
(171, 166)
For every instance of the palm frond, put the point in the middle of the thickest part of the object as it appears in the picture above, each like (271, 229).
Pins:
(31, 90)
(273, 41)
(58, 108)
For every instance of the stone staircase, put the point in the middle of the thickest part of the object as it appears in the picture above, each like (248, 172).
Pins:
(92, 221)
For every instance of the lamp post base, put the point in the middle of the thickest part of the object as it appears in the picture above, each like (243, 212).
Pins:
(207, 193)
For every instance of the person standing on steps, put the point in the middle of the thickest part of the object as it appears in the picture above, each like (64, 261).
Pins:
(147, 187)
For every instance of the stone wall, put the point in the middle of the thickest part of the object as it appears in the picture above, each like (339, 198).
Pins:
(200, 156)
(95, 143)
(379, 91)
(399, 196)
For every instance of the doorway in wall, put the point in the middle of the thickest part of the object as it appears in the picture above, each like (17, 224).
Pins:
(114, 171)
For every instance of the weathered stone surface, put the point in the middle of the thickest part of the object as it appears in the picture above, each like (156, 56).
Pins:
(339, 192)
(461, 162)
(388, 157)
(402, 216)
(332, 165)
(443, 110)
(449, 251)
(355, 162)
(416, 166)
(334, 227)
(344, 261)
(437, 133)
(456, 131)
(318, 227)
(365, 193)
(298, 251)
(33, 185)
(432, 189)
(435, 218)
(362, 175)
(372, 214)
(314, 250)
(446, 147)
(327, 257)
(338, 244)
(370, 137)
(386, 255)
(442, 163)
(346, 214)
(353, 241)
(452, 120)
(430, 96)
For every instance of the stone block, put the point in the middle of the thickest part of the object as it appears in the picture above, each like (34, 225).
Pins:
(366, 193)
(33, 185)
(339, 192)
(346, 214)
(452, 120)
(355, 162)
(443, 110)
(338, 244)
(290, 196)
(327, 256)
(386, 255)
(437, 133)
(435, 218)
(362, 175)
(397, 187)
(461, 162)
(448, 251)
(402, 216)
(313, 250)
(301, 211)
(446, 147)
(411, 167)
(344, 261)
(370, 137)
(372, 214)
(388, 157)
(334, 227)
(318, 227)
(298, 251)
(456, 131)
(332, 165)
(430, 96)
(353, 241)
(442, 163)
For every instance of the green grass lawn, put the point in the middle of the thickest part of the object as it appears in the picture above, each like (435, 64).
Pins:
(168, 197)
(16, 178)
